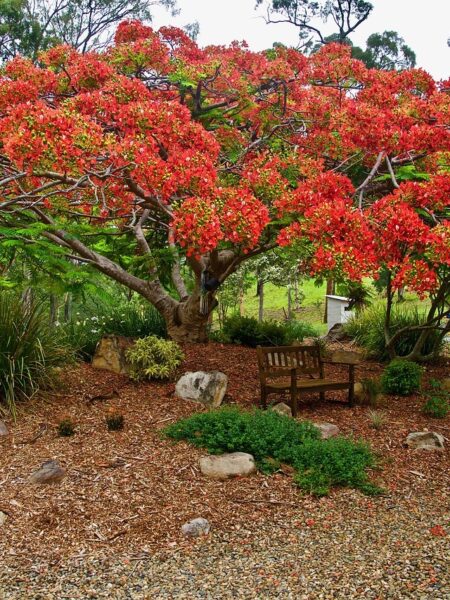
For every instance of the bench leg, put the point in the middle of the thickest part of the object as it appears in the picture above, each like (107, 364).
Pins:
(263, 398)
(294, 402)
(351, 389)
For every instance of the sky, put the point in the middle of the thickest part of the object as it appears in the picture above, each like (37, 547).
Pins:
(424, 24)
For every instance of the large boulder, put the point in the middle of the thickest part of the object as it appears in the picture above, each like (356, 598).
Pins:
(227, 465)
(425, 440)
(110, 354)
(196, 527)
(208, 388)
(49, 472)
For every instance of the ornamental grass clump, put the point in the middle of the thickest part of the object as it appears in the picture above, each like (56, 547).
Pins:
(275, 439)
(153, 358)
(29, 350)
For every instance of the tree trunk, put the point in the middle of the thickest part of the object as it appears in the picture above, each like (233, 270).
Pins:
(53, 309)
(260, 294)
(185, 323)
(289, 303)
(67, 307)
(331, 288)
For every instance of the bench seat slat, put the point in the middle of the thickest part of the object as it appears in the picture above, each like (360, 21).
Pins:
(285, 384)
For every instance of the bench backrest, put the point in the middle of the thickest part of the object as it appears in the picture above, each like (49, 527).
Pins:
(277, 360)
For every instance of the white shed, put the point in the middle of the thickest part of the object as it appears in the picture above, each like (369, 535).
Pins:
(337, 310)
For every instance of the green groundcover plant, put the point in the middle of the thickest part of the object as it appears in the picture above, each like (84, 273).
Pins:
(275, 439)
(437, 405)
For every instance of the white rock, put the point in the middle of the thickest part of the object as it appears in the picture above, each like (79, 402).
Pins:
(425, 440)
(3, 429)
(327, 430)
(3, 518)
(283, 409)
(196, 527)
(49, 472)
(206, 387)
(227, 465)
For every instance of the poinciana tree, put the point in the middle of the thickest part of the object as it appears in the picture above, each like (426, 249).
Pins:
(211, 156)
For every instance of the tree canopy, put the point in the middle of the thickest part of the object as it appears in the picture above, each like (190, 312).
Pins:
(202, 158)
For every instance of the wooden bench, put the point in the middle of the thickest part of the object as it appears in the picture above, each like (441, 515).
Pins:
(298, 369)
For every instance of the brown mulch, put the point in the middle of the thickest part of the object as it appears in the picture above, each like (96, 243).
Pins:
(126, 494)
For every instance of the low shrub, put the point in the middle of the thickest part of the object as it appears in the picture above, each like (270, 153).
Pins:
(29, 350)
(115, 422)
(66, 428)
(299, 330)
(248, 331)
(437, 405)
(367, 329)
(153, 358)
(274, 439)
(401, 377)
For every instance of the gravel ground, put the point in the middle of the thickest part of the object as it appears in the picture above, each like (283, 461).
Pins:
(382, 551)
(111, 527)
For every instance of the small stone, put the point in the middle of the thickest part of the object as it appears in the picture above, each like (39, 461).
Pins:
(196, 527)
(227, 465)
(206, 387)
(425, 440)
(3, 518)
(327, 430)
(3, 429)
(283, 409)
(49, 472)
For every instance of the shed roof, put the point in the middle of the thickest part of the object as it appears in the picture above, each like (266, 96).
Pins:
(339, 298)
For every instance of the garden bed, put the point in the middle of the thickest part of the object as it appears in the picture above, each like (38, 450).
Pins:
(127, 493)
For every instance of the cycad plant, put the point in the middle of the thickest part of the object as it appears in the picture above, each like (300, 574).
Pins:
(29, 350)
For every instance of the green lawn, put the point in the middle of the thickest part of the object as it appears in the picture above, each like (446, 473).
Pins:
(275, 300)
(312, 306)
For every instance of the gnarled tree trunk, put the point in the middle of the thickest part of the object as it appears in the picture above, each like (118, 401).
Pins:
(186, 322)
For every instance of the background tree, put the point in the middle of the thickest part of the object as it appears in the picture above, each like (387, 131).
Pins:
(386, 50)
(28, 27)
